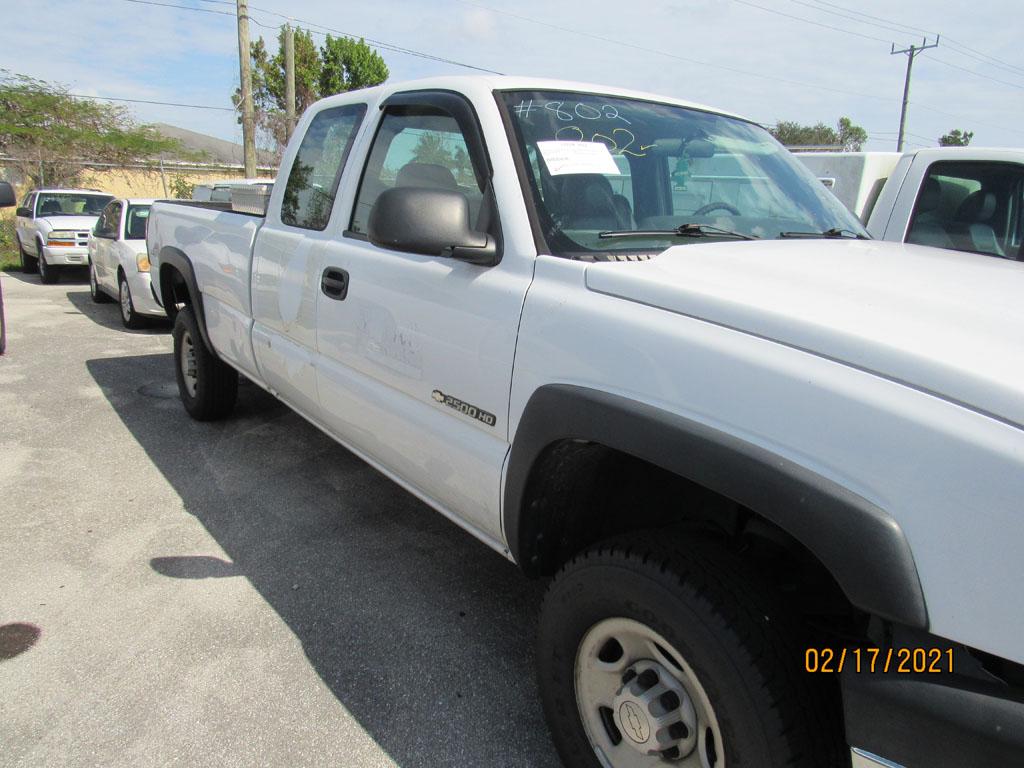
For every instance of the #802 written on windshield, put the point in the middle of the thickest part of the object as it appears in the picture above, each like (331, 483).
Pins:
(566, 120)
(564, 157)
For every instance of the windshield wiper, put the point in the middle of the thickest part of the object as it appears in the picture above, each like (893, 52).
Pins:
(834, 232)
(683, 230)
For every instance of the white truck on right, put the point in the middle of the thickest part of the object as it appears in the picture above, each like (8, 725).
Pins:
(959, 198)
(773, 469)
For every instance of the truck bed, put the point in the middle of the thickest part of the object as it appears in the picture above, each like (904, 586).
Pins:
(219, 244)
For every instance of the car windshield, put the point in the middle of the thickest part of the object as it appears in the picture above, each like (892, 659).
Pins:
(135, 222)
(598, 164)
(70, 204)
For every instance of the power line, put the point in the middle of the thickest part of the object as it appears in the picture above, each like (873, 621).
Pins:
(877, 22)
(141, 101)
(180, 7)
(667, 54)
(809, 21)
(986, 58)
(977, 74)
(375, 43)
(892, 26)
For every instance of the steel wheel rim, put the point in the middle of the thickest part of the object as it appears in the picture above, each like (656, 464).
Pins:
(609, 653)
(187, 361)
(126, 301)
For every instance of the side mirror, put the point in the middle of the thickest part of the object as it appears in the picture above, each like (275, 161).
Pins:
(7, 198)
(434, 222)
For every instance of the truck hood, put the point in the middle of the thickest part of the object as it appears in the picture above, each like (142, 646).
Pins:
(942, 321)
(77, 223)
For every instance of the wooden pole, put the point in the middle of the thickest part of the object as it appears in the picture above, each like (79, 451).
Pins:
(289, 80)
(245, 76)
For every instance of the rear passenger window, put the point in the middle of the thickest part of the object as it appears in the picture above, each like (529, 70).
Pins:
(417, 150)
(313, 181)
(971, 206)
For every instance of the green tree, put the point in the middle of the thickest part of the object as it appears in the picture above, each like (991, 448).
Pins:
(851, 137)
(48, 133)
(341, 64)
(180, 187)
(846, 136)
(349, 65)
(956, 138)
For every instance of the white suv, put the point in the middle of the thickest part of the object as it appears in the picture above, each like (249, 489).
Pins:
(53, 229)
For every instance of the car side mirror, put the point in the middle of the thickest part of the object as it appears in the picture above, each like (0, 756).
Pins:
(7, 198)
(434, 222)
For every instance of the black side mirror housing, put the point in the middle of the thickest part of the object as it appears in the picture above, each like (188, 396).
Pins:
(433, 222)
(7, 198)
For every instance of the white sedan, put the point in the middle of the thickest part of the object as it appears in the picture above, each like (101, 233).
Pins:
(119, 264)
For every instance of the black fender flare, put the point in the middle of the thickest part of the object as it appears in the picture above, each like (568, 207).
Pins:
(860, 544)
(172, 257)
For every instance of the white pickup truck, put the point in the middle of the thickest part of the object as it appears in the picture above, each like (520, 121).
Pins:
(775, 469)
(962, 198)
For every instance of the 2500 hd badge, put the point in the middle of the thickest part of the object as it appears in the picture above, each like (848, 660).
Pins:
(462, 407)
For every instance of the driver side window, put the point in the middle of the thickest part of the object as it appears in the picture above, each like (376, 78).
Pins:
(413, 150)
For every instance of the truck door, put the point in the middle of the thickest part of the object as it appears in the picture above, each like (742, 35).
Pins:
(287, 256)
(416, 351)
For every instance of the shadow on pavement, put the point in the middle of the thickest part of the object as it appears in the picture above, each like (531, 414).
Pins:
(422, 633)
(69, 275)
(109, 315)
(194, 567)
(16, 638)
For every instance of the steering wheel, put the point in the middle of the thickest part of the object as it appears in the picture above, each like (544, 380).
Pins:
(714, 206)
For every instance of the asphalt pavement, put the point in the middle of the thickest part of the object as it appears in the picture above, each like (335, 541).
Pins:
(240, 593)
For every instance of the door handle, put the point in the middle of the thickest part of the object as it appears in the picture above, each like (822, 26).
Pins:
(334, 283)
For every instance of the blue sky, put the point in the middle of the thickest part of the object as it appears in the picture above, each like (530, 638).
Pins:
(766, 59)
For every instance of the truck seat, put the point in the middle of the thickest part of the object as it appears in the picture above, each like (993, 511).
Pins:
(426, 175)
(435, 176)
(588, 202)
(974, 218)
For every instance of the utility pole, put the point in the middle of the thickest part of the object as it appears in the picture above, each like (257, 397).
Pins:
(911, 52)
(245, 75)
(289, 81)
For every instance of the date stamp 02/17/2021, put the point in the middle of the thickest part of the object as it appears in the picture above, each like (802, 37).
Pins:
(885, 660)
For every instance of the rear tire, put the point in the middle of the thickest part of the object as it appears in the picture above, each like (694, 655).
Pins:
(129, 317)
(208, 386)
(29, 264)
(48, 273)
(688, 616)
(95, 292)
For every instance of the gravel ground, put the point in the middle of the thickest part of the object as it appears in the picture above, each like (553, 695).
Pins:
(240, 593)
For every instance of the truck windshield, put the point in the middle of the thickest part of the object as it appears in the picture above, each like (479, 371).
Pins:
(599, 164)
(70, 204)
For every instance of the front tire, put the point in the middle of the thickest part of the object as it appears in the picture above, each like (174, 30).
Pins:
(651, 654)
(129, 317)
(208, 386)
(29, 264)
(95, 292)
(48, 273)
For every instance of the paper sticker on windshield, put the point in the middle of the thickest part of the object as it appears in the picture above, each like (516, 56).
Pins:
(562, 157)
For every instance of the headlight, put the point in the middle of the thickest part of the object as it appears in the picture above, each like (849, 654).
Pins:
(142, 260)
(61, 237)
